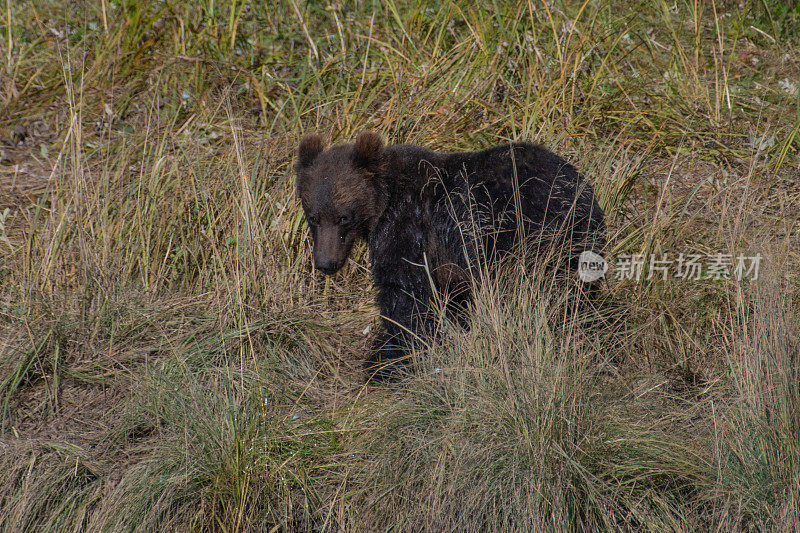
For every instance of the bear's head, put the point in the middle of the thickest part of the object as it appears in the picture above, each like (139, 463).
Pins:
(341, 192)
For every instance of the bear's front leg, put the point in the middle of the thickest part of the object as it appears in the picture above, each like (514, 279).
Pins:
(397, 250)
(407, 322)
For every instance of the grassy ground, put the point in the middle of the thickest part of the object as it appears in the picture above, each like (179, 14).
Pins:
(168, 359)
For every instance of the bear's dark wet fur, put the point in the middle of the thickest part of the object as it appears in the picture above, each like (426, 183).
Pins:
(429, 218)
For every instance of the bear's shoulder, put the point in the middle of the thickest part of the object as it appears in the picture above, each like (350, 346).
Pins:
(407, 157)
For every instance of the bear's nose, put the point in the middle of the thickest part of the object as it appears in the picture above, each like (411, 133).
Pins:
(327, 267)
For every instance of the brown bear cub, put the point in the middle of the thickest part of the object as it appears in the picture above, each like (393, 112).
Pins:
(430, 218)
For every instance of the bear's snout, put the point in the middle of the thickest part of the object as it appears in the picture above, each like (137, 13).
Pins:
(329, 252)
(328, 267)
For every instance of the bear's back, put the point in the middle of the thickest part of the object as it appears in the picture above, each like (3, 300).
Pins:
(498, 195)
(528, 185)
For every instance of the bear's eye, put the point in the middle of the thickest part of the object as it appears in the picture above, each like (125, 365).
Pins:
(345, 220)
(313, 220)
(344, 231)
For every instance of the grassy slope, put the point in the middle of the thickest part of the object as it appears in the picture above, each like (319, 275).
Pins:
(168, 359)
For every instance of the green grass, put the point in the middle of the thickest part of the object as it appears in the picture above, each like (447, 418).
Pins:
(168, 359)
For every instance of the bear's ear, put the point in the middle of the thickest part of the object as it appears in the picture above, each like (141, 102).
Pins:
(368, 149)
(310, 147)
